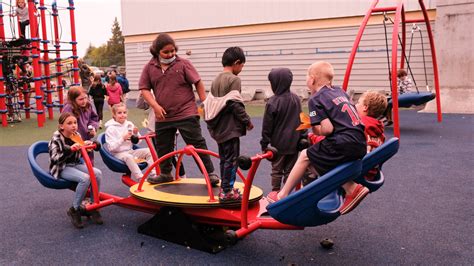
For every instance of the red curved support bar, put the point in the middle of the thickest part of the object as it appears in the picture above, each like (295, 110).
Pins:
(396, 124)
(150, 145)
(87, 160)
(435, 61)
(356, 45)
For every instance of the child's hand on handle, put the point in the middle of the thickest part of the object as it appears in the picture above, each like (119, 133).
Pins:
(135, 131)
(127, 135)
(75, 147)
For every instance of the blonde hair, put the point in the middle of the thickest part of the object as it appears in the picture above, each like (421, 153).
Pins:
(116, 106)
(323, 72)
(376, 103)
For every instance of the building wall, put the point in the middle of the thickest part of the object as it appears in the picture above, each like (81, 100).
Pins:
(185, 15)
(294, 45)
(454, 47)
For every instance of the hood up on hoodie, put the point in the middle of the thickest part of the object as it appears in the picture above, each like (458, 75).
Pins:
(280, 80)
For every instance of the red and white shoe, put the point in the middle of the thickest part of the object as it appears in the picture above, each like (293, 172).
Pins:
(351, 201)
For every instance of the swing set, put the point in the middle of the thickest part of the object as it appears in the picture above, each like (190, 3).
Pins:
(407, 99)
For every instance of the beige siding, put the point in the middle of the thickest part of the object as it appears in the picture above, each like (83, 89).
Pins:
(295, 50)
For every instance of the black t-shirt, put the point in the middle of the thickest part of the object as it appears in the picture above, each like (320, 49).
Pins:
(333, 104)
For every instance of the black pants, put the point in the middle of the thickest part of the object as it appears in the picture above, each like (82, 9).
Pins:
(190, 130)
(228, 153)
(99, 106)
(281, 168)
(174, 159)
(23, 25)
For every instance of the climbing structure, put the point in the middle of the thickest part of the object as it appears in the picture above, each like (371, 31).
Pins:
(27, 84)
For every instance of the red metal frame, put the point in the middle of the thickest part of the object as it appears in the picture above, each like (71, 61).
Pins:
(48, 90)
(399, 18)
(73, 42)
(36, 67)
(247, 219)
(3, 106)
(57, 46)
(36, 62)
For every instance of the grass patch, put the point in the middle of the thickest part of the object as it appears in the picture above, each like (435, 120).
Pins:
(27, 131)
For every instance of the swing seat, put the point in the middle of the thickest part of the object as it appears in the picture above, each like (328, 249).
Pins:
(411, 99)
(113, 163)
(44, 177)
(377, 158)
(317, 203)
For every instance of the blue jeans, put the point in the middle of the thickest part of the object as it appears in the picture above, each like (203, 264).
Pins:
(78, 173)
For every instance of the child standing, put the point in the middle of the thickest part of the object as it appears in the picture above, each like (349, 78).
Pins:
(114, 91)
(371, 106)
(98, 93)
(87, 119)
(224, 113)
(65, 163)
(280, 120)
(332, 115)
(21, 11)
(118, 135)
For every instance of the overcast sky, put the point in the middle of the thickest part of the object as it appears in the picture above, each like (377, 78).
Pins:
(94, 19)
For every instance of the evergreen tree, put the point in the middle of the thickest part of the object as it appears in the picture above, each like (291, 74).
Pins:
(112, 53)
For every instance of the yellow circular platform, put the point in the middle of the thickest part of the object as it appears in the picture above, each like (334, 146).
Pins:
(188, 192)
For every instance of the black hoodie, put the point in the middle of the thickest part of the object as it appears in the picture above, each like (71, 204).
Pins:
(281, 116)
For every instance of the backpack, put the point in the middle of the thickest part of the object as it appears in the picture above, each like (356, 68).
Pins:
(123, 83)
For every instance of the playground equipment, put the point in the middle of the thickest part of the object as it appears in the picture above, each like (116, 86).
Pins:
(408, 99)
(188, 213)
(18, 53)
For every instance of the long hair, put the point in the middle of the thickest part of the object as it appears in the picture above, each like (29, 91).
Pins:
(161, 41)
(98, 79)
(72, 95)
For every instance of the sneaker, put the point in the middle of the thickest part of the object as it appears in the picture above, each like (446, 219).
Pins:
(162, 178)
(75, 217)
(272, 197)
(351, 201)
(214, 179)
(233, 196)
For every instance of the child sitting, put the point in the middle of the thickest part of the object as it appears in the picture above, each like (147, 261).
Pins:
(404, 83)
(280, 120)
(227, 120)
(371, 106)
(332, 115)
(118, 135)
(65, 164)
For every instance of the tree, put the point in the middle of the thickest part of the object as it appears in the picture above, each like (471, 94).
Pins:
(112, 53)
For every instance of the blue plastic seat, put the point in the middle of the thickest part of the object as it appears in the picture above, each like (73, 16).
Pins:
(317, 203)
(410, 99)
(44, 177)
(377, 158)
(113, 163)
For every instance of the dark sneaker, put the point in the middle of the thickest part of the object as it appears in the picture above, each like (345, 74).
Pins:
(162, 178)
(233, 196)
(75, 217)
(272, 197)
(214, 180)
(351, 201)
